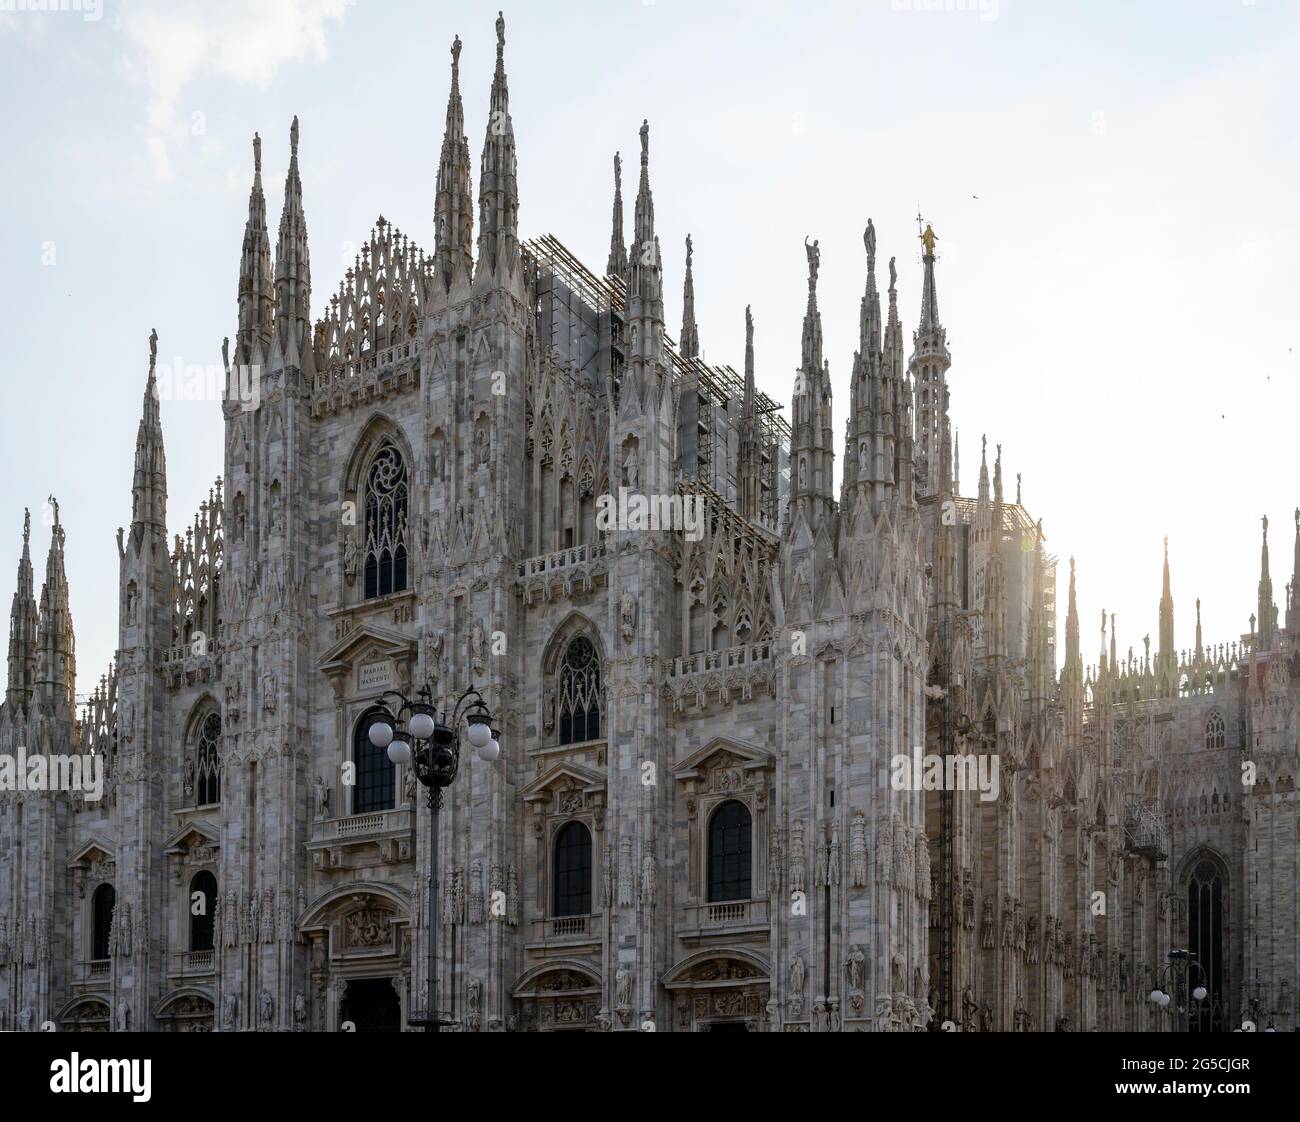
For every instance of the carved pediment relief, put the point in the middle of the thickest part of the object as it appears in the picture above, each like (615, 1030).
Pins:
(725, 765)
(195, 842)
(368, 928)
(94, 856)
(564, 977)
(566, 788)
(706, 969)
(724, 970)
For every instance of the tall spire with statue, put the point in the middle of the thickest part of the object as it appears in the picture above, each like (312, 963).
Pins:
(928, 368)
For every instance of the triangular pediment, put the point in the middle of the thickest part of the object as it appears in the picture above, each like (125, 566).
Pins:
(96, 849)
(720, 751)
(564, 775)
(357, 644)
(190, 835)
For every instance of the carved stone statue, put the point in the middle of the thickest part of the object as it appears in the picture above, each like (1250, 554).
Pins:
(623, 990)
(266, 1007)
(270, 688)
(323, 794)
(884, 852)
(969, 1007)
(627, 616)
(797, 975)
(474, 1004)
(797, 858)
(548, 709)
(648, 870)
(276, 514)
(631, 469)
(814, 254)
(855, 973)
(477, 645)
(610, 875)
(299, 1012)
(350, 558)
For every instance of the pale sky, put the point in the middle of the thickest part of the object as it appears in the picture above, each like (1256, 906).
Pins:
(1113, 186)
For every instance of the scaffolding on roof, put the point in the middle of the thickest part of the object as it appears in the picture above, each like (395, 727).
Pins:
(609, 293)
(718, 386)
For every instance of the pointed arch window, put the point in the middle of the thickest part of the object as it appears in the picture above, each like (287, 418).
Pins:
(1215, 731)
(385, 520)
(207, 762)
(730, 852)
(1206, 902)
(203, 905)
(580, 693)
(101, 922)
(573, 870)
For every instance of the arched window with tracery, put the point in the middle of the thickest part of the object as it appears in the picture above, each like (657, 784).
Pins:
(572, 870)
(579, 692)
(385, 520)
(1207, 900)
(101, 922)
(1214, 731)
(203, 905)
(203, 772)
(375, 788)
(730, 848)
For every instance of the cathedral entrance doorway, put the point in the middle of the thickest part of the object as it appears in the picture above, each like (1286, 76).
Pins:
(371, 1005)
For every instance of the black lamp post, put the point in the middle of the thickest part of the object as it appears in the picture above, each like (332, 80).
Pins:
(430, 744)
(1180, 965)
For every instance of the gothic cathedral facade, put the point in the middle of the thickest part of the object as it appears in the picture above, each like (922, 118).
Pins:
(699, 820)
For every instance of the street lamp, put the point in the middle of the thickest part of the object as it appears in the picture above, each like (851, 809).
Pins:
(1179, 966)
(430, 745)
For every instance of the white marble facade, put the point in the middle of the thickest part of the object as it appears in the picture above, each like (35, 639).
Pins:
(415, 497)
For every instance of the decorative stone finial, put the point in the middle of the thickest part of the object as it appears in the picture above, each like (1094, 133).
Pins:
(293, 136)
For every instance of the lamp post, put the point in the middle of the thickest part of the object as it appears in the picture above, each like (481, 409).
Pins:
(430, 744)
(1180, 965)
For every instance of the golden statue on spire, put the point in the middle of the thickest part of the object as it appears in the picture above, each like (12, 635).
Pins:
(928, 238)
